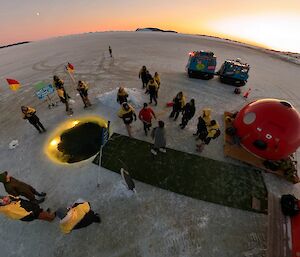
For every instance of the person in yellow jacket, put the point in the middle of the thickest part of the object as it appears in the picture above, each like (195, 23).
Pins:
(152, 88)
(19, 209)
(213, 130)
(61, 92)
(30, 114)
(178, 104)
(157, 80)
(127, 114)
(206, 115)
(82, 88)
(78, 216)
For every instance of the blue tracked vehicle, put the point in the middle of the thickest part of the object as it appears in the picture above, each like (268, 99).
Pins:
(201, 65)
(234, 73)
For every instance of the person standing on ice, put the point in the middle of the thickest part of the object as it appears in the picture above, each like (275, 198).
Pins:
(152, 88)
(127, 114)
(30, 115)
(159, 136)
(201, 129)
(145, 116)
(143, 76)
(61, 92)
(206, 115)
(157, 80)
(82, 88)
(122, 95)
(187, 113)
(178, 104)
(80, 215)
(110, 51)
(19, 209)
(213, 130)
(15, 187)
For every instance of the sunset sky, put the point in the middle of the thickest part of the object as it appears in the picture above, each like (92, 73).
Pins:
(271, 23)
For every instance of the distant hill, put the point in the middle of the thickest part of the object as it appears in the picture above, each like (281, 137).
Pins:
(15, 44)
(155, 29)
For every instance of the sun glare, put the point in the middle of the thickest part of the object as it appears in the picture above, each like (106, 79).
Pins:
(276, 32)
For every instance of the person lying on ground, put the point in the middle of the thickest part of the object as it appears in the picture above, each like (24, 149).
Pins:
(78, 216)
(19, 209)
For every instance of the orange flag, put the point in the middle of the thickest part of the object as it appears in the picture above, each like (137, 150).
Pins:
(13, 84)
(70, 67)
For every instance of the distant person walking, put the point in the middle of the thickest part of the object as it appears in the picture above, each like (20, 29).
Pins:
(122, 95)
(127, 114)
(15, 187)
(159, 136)
(143, 76)
(152, 90)
(157, 80)
(178, 104)
(187, 113)
(61, 92)
(30, 115)
(19, 209)
(110, 51)
(82, 88)
(146, 115)
(80, 215)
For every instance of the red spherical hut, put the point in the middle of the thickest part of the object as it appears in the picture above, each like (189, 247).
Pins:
(269, 128)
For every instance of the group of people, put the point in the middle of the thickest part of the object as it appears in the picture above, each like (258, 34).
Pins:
(82, 89)
(150, 83)
(77, 216)
(207, 129)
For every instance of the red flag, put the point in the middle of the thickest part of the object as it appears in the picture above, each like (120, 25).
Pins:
(13, 84)
(70, 67)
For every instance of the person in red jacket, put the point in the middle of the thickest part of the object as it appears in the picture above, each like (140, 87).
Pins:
(146, 115)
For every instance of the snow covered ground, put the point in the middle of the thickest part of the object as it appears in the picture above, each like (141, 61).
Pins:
(154, 222)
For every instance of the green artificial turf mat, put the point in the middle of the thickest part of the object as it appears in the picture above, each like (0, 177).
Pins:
(188, 174)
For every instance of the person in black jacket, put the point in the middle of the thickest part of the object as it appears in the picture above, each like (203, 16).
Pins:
(188, 113)
(201, 129)
(143, 76)
(178, 104)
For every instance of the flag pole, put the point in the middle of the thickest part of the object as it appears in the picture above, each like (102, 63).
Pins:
(72, 78)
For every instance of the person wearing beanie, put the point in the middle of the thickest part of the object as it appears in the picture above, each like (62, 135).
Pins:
(30, 115)
(19, 209)
(145, 116)
(122, 95)
(15, 187)
(127, 114)
(78, 216)
(159, 136)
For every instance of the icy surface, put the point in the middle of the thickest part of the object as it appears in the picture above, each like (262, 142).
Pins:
(152, 222)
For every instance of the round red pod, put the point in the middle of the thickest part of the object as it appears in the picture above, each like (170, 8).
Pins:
(269, 128)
